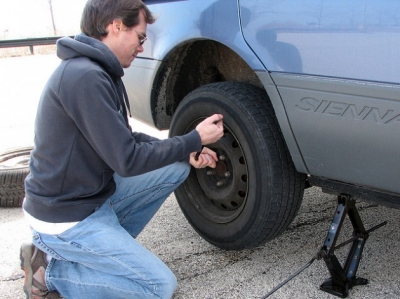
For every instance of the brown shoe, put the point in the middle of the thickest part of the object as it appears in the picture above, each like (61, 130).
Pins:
(33, 262)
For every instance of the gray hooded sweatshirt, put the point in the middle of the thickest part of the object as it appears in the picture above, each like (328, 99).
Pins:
(82, 136)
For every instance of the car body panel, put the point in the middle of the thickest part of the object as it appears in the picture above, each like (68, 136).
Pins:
(179, 22)
(139, 88)
(182, 21)
(327, 59)
(346, 39)
(346, 130)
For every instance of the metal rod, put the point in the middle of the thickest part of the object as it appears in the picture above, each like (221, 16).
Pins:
(289, 278)
(360, 235)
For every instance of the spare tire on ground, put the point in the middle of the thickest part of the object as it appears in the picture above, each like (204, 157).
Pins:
(14, 167)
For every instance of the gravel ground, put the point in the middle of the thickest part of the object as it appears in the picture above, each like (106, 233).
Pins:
(204, 271)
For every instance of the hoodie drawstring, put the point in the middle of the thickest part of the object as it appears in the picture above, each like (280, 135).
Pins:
(126, 100)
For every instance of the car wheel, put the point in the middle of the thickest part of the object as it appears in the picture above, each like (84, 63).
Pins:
(254, 192)
(14, 167)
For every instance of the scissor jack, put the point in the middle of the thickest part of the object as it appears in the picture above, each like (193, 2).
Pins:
(342, 278)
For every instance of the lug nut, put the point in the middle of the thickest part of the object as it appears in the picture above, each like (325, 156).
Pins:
(227, 174)
(222, 158)
(221, 183)
(211, 172)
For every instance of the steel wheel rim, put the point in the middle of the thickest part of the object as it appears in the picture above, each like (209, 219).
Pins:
(224, 189)
(15, 163)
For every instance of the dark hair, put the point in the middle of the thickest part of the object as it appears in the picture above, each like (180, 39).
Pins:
(97, 14)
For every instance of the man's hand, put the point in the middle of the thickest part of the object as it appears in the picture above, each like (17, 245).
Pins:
(211, 129)
(207, 158)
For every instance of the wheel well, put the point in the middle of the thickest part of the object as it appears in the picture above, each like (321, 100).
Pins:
(190, 66)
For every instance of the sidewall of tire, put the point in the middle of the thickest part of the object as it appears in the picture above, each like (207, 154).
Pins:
(12, 180)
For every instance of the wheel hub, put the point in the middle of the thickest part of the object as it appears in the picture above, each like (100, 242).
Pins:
(226, 185)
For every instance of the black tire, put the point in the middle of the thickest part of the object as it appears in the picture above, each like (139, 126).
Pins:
(255, 192)
(14, 167)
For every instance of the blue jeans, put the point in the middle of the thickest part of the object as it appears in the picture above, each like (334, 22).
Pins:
(100, 257)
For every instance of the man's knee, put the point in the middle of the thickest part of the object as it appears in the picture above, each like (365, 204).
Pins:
(164, 283)
(167, 289)
(179, 171)
(185, 169)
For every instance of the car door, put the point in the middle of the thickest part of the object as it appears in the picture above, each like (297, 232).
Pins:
(336, 67)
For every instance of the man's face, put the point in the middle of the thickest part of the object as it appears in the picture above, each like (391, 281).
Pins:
(126, 42)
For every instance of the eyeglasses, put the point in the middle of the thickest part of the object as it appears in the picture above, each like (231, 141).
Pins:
(141, 37)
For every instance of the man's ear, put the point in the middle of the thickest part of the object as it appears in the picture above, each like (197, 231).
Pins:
(116, 26)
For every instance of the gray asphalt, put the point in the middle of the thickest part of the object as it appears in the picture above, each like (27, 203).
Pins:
(204, 271)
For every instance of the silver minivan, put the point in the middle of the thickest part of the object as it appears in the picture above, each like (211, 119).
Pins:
(310, 94)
